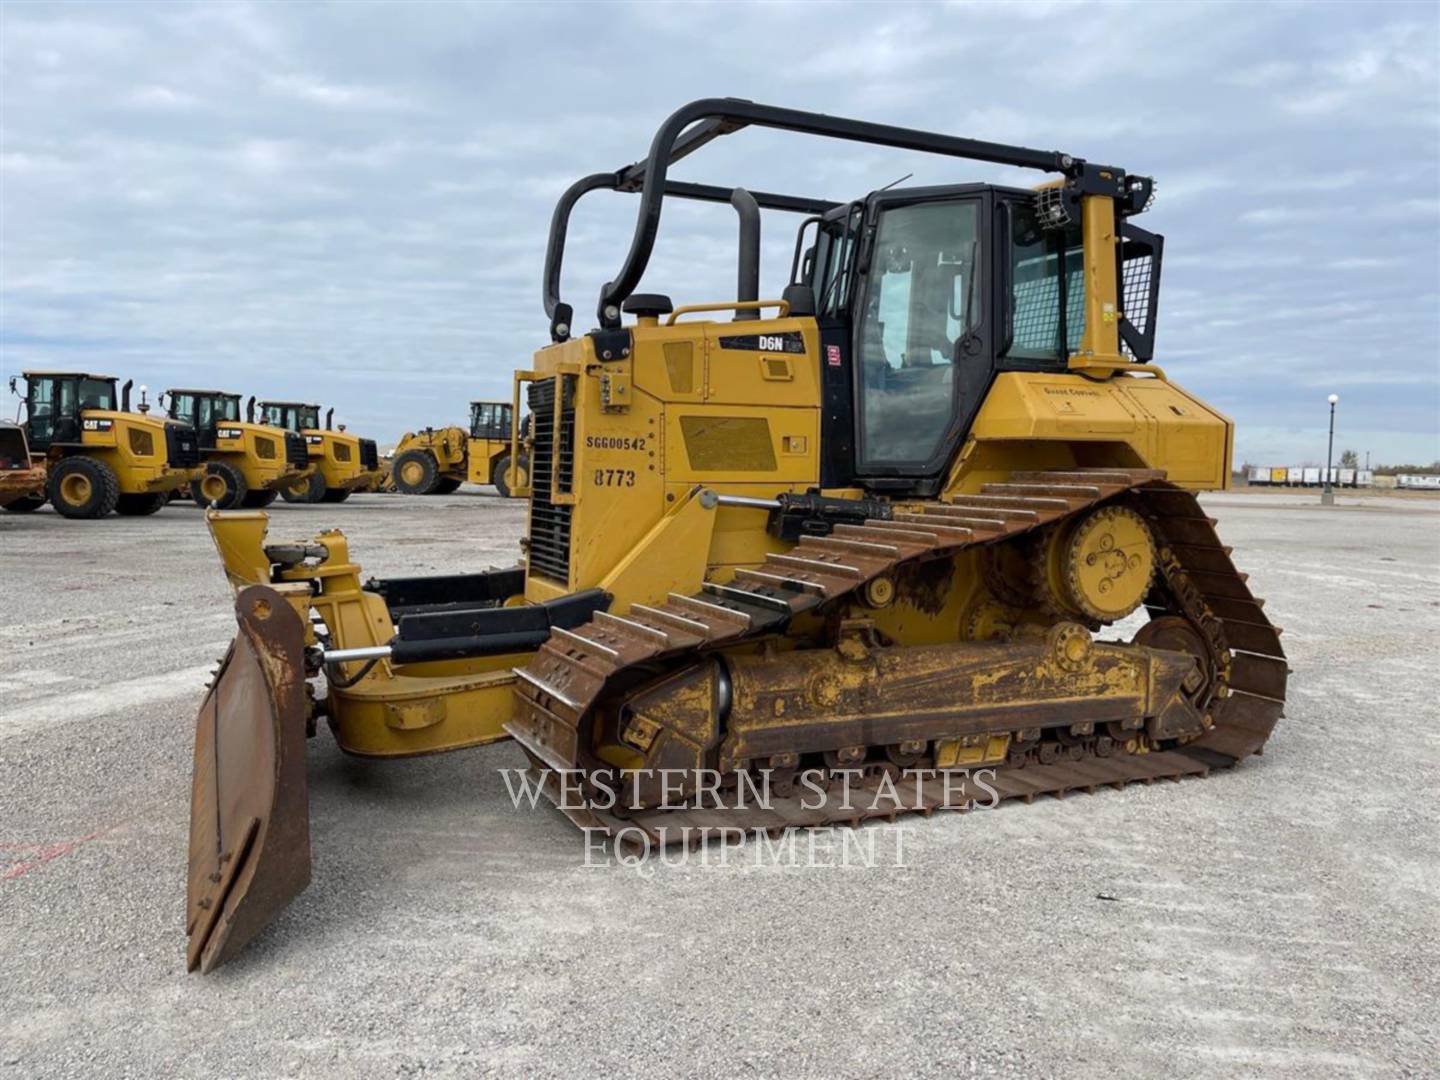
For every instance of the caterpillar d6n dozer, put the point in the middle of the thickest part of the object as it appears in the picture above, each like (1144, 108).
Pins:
(869, 534)
(99, 456)
(245, 463)
(340, 464)
(436, 461)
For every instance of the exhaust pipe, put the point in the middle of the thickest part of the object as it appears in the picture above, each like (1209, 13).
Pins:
(330, 412)
(250, 410)
(125, 395)
(747, 286)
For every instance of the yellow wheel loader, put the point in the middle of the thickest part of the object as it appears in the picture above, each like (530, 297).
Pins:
(920, 533)
(245, 464)
(340, 464)
(22, 482)
(100, 456)
(436, 461)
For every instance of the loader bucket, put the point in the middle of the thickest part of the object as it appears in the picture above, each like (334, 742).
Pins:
(249, 809)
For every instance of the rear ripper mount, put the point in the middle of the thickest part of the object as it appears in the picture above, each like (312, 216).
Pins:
(1200, 606)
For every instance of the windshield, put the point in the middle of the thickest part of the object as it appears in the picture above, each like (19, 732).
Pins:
(309, 416)
(920, 300)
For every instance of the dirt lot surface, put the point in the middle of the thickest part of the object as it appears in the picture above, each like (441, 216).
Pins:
(1278, 919)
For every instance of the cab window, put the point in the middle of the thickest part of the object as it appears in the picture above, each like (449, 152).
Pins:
(921, 299)
(1047, 289)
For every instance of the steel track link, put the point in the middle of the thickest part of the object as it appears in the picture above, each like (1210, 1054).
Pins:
(560, 688)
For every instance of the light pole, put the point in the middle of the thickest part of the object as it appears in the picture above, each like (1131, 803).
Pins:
(1327, 496)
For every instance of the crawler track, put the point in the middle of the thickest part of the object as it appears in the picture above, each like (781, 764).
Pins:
(1243, 694)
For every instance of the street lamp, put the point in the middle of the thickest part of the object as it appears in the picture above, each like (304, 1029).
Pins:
(1327, 496)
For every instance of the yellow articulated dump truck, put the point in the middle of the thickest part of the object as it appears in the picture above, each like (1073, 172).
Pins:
(436, 461)
(921, 532)
(245, 464)
(341, 464)
(22, 481)
(100, 456)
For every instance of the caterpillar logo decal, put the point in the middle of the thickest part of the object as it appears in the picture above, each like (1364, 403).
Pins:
(228, 433)
(314, 440)
(792, 341)
(98, 425)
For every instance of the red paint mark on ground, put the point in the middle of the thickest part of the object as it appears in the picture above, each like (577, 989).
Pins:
(37, 855)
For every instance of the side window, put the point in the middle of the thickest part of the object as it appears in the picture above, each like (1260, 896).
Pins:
(921, 299)
(1041, 291)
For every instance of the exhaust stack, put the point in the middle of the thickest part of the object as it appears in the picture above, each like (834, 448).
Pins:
(125, 395)
(747, 285)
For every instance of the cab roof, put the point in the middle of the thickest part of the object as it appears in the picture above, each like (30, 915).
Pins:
(68, 375)
(192, 390)
(289, 404)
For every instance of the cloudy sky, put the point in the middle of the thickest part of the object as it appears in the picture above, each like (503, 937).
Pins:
(349, 202)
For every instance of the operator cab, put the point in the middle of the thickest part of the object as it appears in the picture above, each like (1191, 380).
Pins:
(55, 402)
(490, 420)
(205, 410)
(290, 415)
(922, 295)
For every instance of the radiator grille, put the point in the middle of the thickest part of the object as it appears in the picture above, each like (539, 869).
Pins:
(369, 456)
(296, 453)
(552, 470)
(342, 452)
(182, 446)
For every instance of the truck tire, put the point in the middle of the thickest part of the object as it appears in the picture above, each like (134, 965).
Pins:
(335, 495)
(500, 468)
(309, 490)
(446, 485)
(142, 505)
(257, 500)
(26, 504)
(228, 485)
(81, 487)
(415, 472)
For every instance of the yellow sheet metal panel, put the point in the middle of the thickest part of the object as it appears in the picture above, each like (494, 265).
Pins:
(1161, 425)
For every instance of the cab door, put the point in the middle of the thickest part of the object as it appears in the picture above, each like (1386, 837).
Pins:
(922, 332)
(51, 414)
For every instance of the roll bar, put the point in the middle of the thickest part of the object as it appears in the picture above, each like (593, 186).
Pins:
(700, 122)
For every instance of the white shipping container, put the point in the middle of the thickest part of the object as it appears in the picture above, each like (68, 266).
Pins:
(1258, 475)
(1364, 478)
(1412, 480)
(1297, 475)
(1347, 477)
(1312, 475)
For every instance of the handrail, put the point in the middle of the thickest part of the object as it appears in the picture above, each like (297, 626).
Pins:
(730, 305)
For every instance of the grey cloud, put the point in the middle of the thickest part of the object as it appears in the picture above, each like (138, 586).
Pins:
(248, 193)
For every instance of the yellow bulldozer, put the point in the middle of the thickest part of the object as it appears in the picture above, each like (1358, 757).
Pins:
(341, 464)
(245, 464)
(921, 528)
(101, 457)
(436, 461)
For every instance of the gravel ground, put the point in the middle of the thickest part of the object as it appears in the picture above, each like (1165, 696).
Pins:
(1277, 919)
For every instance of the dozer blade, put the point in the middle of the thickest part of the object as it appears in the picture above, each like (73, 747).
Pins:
(249, 809)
